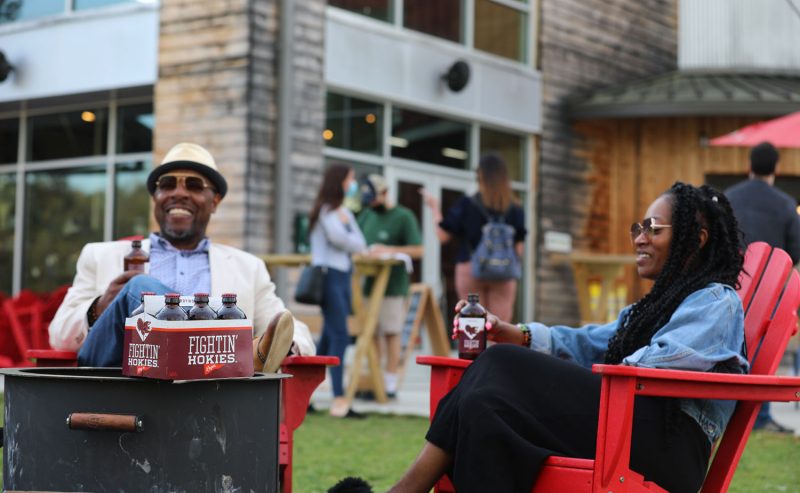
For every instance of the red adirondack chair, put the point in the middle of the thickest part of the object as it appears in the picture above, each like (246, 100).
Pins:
(770, 302)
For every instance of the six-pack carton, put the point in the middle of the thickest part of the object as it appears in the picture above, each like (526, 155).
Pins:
(186, 350)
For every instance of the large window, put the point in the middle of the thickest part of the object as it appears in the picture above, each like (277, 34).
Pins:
(499, 27)
(353, 124)
(93, 4)
(7, 209)
(441, 18)
(22, 10)
(131, 199)
(63, 211)
(510, 147)
(79, 186)
(135, 128)
(9, 140)
(501, 30)
(377, 9)
(429, 139)
(69, 134)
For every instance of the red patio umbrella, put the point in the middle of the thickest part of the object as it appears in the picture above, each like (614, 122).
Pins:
(781, 132)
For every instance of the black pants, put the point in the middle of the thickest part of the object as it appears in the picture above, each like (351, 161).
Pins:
(515, 407)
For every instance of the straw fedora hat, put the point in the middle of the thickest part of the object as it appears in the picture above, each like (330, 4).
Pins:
(189, 156)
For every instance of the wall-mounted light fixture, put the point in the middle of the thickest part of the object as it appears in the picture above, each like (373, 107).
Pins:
(5, 67)
(457, 76)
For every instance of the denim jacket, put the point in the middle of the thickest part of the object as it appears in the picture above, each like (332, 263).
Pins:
(707, 328)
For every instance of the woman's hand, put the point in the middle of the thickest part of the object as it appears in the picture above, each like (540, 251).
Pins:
(496, 330)
(429, 199)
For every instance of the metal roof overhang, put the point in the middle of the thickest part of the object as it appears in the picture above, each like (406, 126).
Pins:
(677, 94)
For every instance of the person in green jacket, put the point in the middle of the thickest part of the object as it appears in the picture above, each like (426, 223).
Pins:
(389, 229)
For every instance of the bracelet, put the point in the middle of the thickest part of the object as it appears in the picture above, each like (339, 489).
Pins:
(526, 334)
(91, 313)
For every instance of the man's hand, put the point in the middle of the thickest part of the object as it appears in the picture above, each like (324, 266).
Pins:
(114, 289)
(377, 249)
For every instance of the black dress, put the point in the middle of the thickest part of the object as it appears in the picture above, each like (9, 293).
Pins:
(514, 407)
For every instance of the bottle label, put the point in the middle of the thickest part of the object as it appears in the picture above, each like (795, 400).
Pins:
(143, 267)
(471, 329)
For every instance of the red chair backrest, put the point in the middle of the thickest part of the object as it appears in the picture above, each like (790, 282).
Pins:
(770, 320)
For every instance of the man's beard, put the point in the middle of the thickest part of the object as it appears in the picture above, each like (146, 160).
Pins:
(172, 235)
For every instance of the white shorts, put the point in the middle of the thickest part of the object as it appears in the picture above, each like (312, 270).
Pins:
(392, 316)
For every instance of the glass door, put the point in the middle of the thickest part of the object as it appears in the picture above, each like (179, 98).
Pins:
(437, 267)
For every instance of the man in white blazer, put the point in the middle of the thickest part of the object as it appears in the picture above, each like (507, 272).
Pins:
(186, 190)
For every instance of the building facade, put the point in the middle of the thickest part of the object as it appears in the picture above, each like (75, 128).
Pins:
(415, 90)
(101, 89)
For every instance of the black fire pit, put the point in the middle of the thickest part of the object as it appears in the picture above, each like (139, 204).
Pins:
(92, 429)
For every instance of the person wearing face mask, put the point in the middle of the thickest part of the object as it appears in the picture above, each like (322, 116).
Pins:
(334, 237)
(389, 229)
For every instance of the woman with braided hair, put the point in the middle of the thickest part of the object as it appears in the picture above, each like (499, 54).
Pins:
(536, 396)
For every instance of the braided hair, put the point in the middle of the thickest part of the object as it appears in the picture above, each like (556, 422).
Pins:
(688, 267)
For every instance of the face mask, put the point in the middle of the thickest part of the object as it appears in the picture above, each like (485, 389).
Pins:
(352, 190)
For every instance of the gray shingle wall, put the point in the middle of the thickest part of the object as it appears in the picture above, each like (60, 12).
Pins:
(218, 86)
(585, 45)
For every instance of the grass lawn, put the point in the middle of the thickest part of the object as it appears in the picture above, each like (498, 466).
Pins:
(380, 448)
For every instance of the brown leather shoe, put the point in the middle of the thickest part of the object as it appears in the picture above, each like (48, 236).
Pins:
(276, 341)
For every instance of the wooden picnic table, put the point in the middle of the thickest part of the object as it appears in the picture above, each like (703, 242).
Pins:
(366, 314)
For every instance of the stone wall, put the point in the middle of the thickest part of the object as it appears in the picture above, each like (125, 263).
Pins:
(586, 45)
(218, 86)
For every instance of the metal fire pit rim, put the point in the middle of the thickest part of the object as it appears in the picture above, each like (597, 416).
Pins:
(79, 373)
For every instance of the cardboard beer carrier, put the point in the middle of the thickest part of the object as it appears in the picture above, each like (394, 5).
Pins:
(188, 349)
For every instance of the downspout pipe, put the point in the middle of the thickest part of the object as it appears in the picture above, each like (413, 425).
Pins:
(283, 168)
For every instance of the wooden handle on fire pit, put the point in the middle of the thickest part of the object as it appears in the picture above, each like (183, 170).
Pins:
(105, 422)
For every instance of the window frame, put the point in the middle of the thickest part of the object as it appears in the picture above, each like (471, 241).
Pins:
(109, 159)
(528, 8)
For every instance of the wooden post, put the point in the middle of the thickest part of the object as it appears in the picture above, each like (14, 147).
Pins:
(422, 307)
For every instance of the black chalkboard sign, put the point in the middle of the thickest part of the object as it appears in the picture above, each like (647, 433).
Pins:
(412, 317)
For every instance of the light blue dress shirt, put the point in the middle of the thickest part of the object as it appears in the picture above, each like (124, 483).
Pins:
(186, 271)
(707, 328)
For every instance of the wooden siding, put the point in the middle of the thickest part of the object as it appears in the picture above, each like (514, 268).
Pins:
(586, 45)
(634, 160)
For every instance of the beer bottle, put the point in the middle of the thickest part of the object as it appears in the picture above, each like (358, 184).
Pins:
(172, 308)
(201, 310)
(137, 258)
(471, 329)
(229, 310)
(140, 309)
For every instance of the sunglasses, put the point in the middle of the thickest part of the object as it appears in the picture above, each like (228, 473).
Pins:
(649, 227)
(191, 183)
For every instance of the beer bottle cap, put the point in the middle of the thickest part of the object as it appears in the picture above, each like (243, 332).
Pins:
(172, 298)
(136, 243)
(229, 298)
(201, 297)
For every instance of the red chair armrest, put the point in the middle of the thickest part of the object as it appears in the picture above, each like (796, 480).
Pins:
(52, 357)
(443, 361)
(307, 373)
(704, 385)
(310, 360)
(445, 374)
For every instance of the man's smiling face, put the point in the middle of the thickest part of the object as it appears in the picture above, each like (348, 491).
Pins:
(182, 214)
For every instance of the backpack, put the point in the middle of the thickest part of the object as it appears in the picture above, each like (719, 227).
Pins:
(495, 258)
